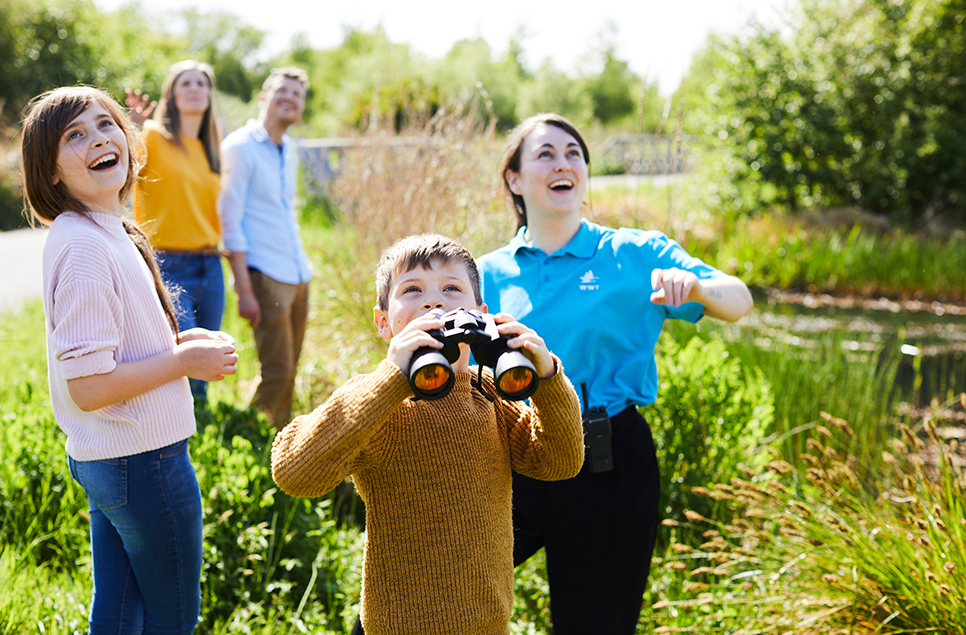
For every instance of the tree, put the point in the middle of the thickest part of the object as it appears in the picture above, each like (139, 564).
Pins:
(221, 39)
(468, 69)
(613, 89)
(863, 104)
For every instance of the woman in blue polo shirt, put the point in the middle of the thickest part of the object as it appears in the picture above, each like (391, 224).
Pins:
(599, 298)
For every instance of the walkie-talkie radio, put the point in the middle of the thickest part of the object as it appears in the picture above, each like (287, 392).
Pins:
(597, 437)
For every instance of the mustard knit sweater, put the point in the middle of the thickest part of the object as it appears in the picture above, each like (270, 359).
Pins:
(436, 480)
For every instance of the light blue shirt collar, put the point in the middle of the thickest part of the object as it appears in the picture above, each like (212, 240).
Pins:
(582, 245)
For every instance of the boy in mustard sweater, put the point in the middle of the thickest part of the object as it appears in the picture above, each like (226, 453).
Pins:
(434, 475)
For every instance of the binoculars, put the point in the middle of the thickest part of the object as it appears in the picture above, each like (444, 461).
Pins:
(431, 376)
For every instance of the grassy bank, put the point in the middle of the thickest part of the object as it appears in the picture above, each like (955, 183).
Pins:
(276, 564)
(784, 465)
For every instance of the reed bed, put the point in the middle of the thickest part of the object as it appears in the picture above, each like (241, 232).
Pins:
(843, 546)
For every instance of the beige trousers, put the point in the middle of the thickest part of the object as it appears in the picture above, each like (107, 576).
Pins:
(278, 340)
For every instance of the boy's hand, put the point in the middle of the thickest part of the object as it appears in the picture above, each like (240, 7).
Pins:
(527, 340)
(413, 336)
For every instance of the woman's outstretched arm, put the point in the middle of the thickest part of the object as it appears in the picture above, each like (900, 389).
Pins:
(726, 298)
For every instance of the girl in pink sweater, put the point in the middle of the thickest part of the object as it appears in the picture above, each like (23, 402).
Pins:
(117, 366)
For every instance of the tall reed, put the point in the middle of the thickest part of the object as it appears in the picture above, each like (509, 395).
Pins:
(843, 546)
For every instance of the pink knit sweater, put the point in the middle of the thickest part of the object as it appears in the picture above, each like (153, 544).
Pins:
(102, 309)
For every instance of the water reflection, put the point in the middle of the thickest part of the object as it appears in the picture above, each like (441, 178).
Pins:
(927, 341)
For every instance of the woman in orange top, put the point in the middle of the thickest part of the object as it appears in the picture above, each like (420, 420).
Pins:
(176, 196)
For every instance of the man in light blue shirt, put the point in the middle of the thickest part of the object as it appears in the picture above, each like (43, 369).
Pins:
(261, 235)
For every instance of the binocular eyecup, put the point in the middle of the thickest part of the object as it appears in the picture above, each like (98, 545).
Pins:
(431, 375)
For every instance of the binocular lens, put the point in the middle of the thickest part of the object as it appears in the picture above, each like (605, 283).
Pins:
(516, 380)
(432, 378)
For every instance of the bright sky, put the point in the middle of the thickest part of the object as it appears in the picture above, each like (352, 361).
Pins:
(657, 37)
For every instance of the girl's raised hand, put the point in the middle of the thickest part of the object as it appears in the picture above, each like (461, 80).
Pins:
(673, 287)
(207, 359)
(527, 340)
(139, 106)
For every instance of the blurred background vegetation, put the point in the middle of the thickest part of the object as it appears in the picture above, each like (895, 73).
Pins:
(858, 103)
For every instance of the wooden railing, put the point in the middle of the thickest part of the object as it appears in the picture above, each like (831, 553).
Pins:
(324, 159)
(643, 154)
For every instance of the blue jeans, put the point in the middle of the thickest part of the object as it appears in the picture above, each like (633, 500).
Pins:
(146, 533)
(199, 288)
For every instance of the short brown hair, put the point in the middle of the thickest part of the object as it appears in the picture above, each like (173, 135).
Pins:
(421, 250)
(292, 72)
(514, 148)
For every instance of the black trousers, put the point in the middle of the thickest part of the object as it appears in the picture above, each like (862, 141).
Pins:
(598, 531)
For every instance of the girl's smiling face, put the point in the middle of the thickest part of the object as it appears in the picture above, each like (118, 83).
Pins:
(553, 172)
(92, 160)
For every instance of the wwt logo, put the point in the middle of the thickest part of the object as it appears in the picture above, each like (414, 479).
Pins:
(588, 281)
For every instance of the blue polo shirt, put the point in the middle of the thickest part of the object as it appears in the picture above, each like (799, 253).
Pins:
(590, 302)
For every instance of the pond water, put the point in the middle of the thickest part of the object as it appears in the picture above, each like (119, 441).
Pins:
(928, 345)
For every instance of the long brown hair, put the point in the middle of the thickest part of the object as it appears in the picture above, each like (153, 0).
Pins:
(48, 115)
(170, 119)
(514, 148)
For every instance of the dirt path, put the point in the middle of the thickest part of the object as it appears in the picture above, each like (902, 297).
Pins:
(21, 259)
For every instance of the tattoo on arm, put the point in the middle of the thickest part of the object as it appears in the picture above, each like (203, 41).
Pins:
(714, 293)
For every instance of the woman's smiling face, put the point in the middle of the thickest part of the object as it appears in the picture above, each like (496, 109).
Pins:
(192, 93)
(92, 161)
(553, 172)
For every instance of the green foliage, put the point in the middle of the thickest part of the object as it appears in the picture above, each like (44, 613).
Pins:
(263, 548)
(39, 599)
(843, 546)
(846, 259)
(42, 511)
(863, 104)
(710, 416)
(49, 44)
(222, 40)
(531, 597)
(469, 68)
(270, 559)
(552, 90)
(11, 207)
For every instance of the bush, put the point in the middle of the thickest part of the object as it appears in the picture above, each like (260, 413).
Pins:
(862, 104)
(11, 208)
(710, 416)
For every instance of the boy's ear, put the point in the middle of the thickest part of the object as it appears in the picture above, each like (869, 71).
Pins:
(483, 308)
(511, 179)
(381, 318)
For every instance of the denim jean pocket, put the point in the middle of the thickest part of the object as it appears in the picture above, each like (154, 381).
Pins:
(104, 482)
(173, 450)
